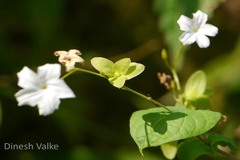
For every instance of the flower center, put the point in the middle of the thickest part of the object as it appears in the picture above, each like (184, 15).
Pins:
(195, 29)
(44, 87)
(117, 74)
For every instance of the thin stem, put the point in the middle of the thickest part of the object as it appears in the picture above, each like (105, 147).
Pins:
(124, 87)
(81, 70)
(68, 74)
(173, 67)
(180, 52)
(89, 72)
(176, 79)
(145, 97)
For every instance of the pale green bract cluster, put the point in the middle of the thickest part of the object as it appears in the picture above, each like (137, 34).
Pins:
(118, 72)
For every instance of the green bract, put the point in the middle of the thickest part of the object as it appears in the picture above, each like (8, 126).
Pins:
(170, 149)
(156, 126)
(118, 72)
(195, 85)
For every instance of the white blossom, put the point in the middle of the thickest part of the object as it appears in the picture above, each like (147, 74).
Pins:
(43, 89)
(69, 58)
(196, 29)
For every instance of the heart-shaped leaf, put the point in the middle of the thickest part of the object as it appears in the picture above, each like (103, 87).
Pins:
(156, 126)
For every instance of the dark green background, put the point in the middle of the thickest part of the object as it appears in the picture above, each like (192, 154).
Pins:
(95, 125)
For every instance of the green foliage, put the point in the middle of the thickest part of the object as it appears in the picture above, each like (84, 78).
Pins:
(192, 149)
(216, 139)
(156, 126)
(118, 72)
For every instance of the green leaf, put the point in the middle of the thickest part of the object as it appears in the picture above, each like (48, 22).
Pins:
(170, 149)
(196, 85)
(134, 70)
(216, 139)
(192, 149)
(156, 126)
(103, 65)
(120, 67)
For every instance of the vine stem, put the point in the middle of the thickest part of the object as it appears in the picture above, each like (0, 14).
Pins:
(180, 52)
(123, 88)
(173, 67)
(145, 97)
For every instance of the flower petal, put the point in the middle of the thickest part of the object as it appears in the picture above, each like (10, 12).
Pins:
(209, 30)
(49, 71)
(199, 18)
(203, 41)
(187, 38)
(185, 23)
(48, 103)
(60, 89)
(28, 97)
(27, 78)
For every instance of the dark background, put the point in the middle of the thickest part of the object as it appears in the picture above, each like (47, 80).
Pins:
(95, 125)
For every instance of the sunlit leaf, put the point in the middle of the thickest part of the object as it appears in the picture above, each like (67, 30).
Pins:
(192, 149)
(170, 149)
(216, 139)
(196, 85)
(103, 65)
(134, 70)
(156, 126)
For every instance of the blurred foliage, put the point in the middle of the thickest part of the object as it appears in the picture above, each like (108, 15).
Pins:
(31, 31)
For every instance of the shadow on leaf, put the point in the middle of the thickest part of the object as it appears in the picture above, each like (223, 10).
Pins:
(158, 121)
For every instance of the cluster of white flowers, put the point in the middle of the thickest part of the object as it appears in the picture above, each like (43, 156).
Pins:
(45, 88)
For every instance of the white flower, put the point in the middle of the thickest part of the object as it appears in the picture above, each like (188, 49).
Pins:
(44, 88)
(196, 29)
(69, 58)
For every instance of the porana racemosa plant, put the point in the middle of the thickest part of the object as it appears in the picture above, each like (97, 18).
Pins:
(176, 129)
